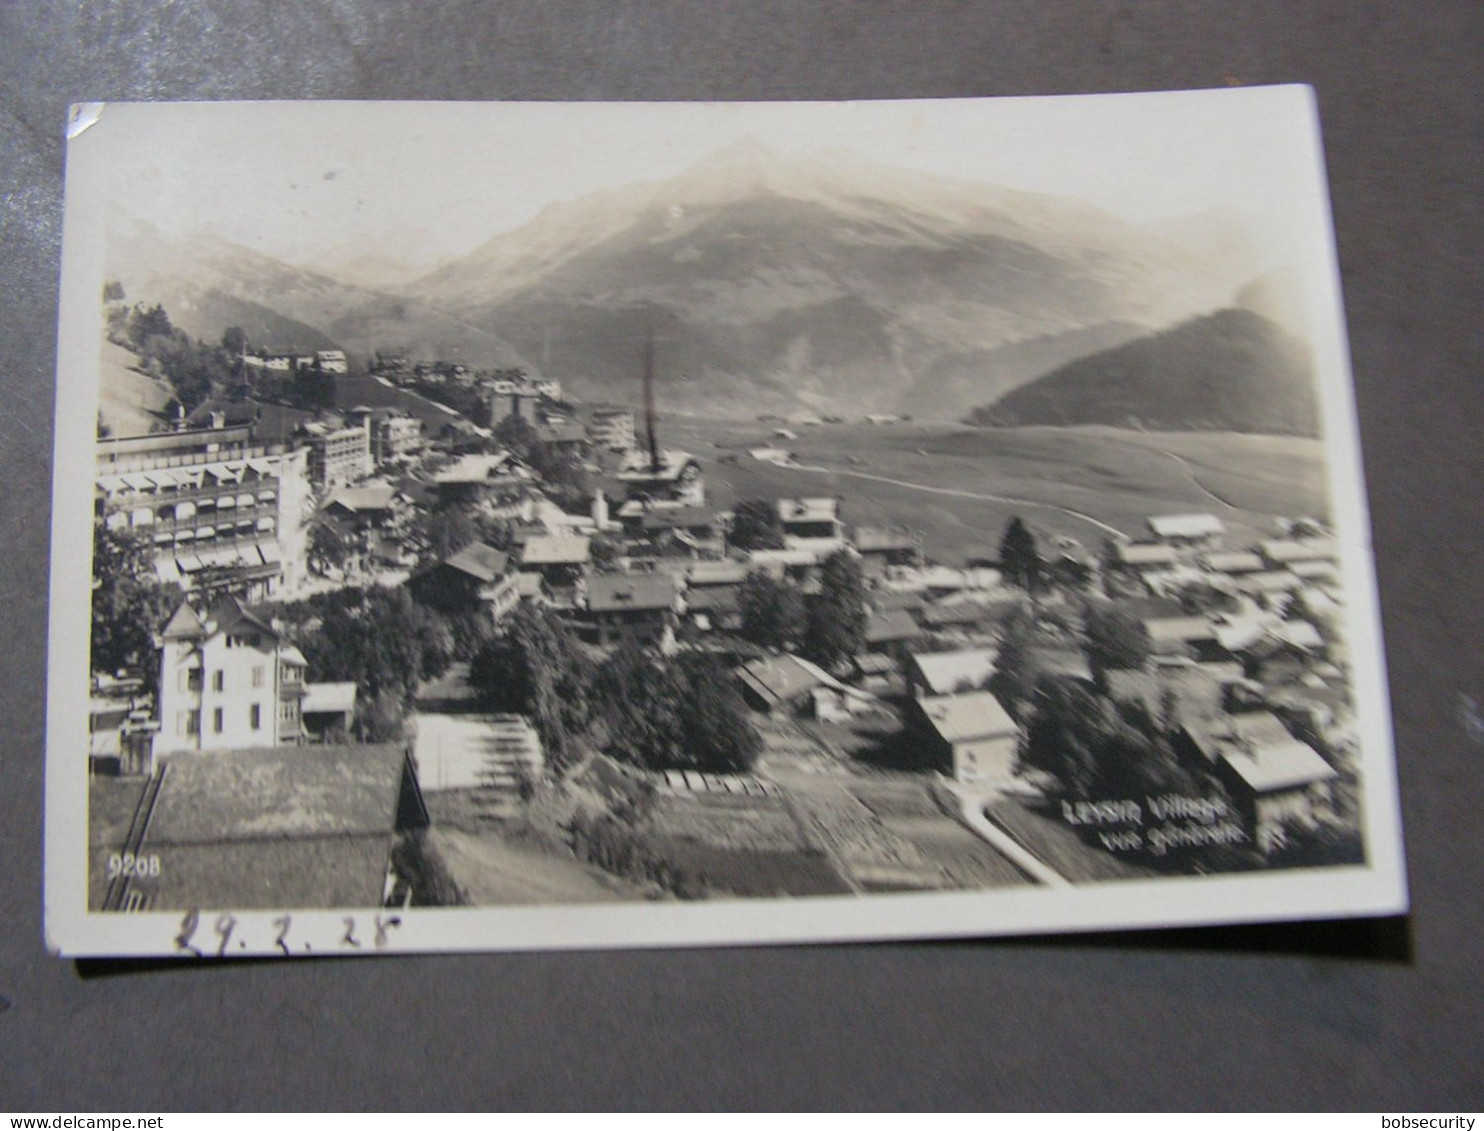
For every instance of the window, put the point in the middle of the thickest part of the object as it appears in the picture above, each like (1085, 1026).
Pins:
(257, 676)
(216, 720)
(218, 680)
(255, 716)
(193, 722)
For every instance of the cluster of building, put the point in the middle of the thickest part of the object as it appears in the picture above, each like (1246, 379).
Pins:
(1245, 644)
(293, 361)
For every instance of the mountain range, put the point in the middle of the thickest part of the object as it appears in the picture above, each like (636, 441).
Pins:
(1233, 370)
(769, 282)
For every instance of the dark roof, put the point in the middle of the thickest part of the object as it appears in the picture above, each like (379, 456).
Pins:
(284, 792)
(318, 872)
(183, 624)
(953, 612)
(884, 599)
(892, 624)
(712, 599)
(669, 518)
(230, 613)
(236, 413)
(479, 560)
(282, 827)
(615, 591)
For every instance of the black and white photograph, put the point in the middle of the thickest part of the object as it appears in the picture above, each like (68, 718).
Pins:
(588, 525)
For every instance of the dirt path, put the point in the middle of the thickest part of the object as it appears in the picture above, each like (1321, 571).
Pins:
(1186, 467)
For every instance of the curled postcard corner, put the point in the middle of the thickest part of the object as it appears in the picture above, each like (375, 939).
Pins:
(81, 117)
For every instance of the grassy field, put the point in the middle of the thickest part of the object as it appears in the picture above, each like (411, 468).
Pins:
(128, 400)
(958, 487)
(495, 865)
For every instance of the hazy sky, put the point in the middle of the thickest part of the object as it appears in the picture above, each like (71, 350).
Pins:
(433, 180)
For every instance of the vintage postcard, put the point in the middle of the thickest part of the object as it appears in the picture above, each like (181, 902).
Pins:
(541, 525)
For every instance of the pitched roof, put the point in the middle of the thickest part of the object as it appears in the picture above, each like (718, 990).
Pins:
(374, 497)
(277, 793)
(1270, 581)
(1178, 630)
(183, 624)
(1282, 551)
(946, 613)
(479, 560)
(1232, 561)
(1279, 763)
(1186, 525)
(869, 539)
(473, 468)
(780, 679)
(669, 518)
(236, 413)
(1137, 553)
(613, 592)
(960, 718)
(717, 573)
(947, 672)
(556, 549)
(820, 508)
(229, 614)
(713, 599)
(891, 624)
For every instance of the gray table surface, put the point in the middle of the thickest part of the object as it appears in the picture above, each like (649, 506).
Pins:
(1381, 1015)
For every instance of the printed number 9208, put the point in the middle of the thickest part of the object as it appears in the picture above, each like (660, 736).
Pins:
(130, 865)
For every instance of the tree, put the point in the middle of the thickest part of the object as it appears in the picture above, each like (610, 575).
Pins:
(113, 291)
(377, 638)
(563, 476)
(129, 602)
(756, 526)
(1114, 639)
(1020, 561)
(517, 435)
(444, 533)
(772, 611)
(836, 625)
(1018, 665)
(605, 554)
(234, 340)
(147, 324)
(312, 389)
(535, 668)
(682, 714)
(718, 733)
(1096, 752)
(328, 546)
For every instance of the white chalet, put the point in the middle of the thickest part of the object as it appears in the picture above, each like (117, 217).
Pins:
(227, 682)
